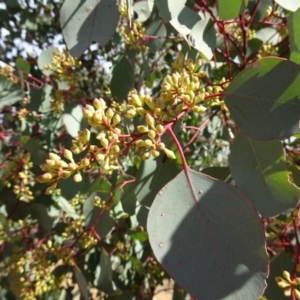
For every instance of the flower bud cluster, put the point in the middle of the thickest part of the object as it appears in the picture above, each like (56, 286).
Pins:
(182, 91)
(133, 33)
(267, 49)
(134, 36)
(17, 171)
(64, 66)
(288, 284)
(106, 121)
(56, 169)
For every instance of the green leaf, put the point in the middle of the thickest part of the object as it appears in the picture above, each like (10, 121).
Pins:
(259, 170)
(72, 120)
(185, 21)
(296, 174)
(169, 9)
(45, 59)
(203, 38)
(23, 65)
(152, 175)
(122, 79)
(293, 23)
(104, 282)
(10, 93)
(142, 10)
(230, 9)
(83, 22)
(156, 29)
(82, 283)
(207, 229)
(291, 5)
(263, 99)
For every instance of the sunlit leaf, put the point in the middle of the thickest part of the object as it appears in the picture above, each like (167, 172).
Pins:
(10, 93)
(169, 9)
(209, 230)
(259, 170)
(142, 10)
(83, 22)
(263, 99)
(293, 23)
(291, 5)
(203, 38)
(230, 9)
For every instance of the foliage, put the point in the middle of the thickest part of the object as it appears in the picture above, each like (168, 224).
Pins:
(151, 140)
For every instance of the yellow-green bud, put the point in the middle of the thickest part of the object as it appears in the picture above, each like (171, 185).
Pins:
(142, 129)
(146, 155)
(84, 162)
(54, 156)
(99, 103)
(150, 120)
(151, 134)
(116, 119)
(148, 143)
(159, 128)
(104, 142)
(77, 177)
(169, 153)
(154, 153)
(68, 154)
(115, 149)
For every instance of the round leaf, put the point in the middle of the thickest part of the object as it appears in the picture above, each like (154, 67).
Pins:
(10, 93)
(291, 5)
(142, 10)
(45, 59)
(204, 232)
(263, 100)
(259, 170)
(83, 22)
(169, 9)
(203, 38)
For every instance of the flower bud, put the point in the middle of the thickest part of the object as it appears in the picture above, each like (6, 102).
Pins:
(50, 189)
(54, 156)
(68, 155)
(146, 155)
(169, 153)
(159, 128)
(142, 129)
(84, 163)
(151, 134)
(150, 120)
(77, 177)
(116, 119)
(99, 103)
(161, 146)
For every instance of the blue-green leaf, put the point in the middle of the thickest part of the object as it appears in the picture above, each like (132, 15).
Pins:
(259, 170)
(10, 93)
(207, 229)
(263, 99)
(83, 22)
(122, 79)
